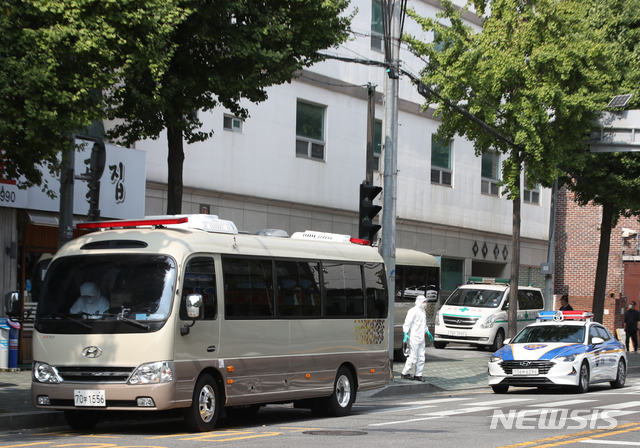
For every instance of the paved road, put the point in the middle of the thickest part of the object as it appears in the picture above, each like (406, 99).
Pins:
(457, 368)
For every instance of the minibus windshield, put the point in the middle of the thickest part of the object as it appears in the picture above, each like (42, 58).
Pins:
(106, 293)
(482, 298)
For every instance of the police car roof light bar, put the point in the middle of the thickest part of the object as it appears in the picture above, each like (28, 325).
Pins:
(560, 316)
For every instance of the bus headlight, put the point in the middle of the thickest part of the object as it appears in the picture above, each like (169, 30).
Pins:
(489, 321)
(44, 373)
(152, 372)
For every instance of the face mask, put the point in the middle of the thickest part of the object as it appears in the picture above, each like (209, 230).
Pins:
(423, 305)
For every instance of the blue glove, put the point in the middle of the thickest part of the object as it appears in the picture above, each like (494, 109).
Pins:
(406, 337)
(429, 335)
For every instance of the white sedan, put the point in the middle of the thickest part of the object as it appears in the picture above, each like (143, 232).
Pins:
(563, 348)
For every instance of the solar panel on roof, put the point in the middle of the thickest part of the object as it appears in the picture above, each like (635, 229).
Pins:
(619, 100)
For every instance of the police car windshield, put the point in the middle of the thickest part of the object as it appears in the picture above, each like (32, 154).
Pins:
(482, 298)
(569, 334)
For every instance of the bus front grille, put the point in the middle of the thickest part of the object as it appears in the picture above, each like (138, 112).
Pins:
(70, 374)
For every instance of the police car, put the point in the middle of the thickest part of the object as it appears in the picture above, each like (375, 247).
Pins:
(562, 348)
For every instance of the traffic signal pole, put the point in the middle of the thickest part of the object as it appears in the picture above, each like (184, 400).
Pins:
(390, 128)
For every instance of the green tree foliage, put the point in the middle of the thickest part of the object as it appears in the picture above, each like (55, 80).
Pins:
(57, 56)
(538, 74)
(227, 51)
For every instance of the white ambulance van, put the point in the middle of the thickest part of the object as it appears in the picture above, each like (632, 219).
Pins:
(477, 313)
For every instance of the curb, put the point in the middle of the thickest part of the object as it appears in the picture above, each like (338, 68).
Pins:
(31, 420)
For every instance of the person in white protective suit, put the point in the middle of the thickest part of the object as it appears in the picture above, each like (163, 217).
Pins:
(415, 329)
(90, 301)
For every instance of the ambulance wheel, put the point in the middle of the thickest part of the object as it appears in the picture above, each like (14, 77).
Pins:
(498, 342)
(583, 378)
(621, 375)
(439, 344)
(343, 396)
(500, 388)
(81, 420)
(203, 413)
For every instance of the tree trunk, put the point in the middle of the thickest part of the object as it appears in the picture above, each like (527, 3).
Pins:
(175, 161)
(600, 288)
(515, 266)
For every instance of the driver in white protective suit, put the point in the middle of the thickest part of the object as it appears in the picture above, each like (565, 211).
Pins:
(415, 328)
(90, 301)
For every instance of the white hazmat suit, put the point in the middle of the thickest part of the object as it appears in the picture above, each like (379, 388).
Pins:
(415, 325)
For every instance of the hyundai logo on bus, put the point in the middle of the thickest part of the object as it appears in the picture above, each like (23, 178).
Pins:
(91, 352)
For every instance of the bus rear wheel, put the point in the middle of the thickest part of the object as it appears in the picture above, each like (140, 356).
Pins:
(343, 396)
(203, 413)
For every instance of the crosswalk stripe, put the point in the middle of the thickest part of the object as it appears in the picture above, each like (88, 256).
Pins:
(560, 403)
(509, 400)
(437, 400)
(624, 405)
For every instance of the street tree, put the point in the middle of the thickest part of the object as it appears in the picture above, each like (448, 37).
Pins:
(227, 52)
(611, 180)
(536, 75)
(57, 57)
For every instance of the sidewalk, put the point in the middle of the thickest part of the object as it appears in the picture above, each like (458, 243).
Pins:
(456, 368)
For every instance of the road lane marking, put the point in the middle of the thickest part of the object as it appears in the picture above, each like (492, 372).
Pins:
(559, 403)
(610, 442)
(624, 405)
(595, 433)
(437, 400)
(26, 444)
(506, 401)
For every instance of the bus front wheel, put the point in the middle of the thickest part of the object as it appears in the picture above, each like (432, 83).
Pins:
(344, 394)
(203, 413)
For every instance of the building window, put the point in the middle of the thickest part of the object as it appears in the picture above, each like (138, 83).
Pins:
(490, 173)
(440, 161)
(377, 146)
(377, 29)
(440, 42)
(452, 273)
(231, 123)
(531, 193)
(310, 131)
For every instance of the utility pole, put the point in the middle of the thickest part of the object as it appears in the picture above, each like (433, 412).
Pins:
(392, 20)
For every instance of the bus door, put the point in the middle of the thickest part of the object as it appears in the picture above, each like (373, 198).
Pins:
(203, 338)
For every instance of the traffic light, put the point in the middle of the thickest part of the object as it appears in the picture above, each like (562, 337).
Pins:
(366, 229)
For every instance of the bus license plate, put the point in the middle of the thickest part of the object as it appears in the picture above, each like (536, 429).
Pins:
(525, 371)
(458, 333)
(89, 398)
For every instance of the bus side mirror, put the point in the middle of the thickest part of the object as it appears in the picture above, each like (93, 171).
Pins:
(12, 305)
(194, 306)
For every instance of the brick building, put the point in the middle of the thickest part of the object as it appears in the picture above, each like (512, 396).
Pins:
(576, 255)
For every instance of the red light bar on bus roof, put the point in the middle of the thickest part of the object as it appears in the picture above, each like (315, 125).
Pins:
(132, 223)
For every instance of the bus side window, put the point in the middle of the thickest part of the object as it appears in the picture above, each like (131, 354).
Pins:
(200, 278)
(343, 285)
(377, 297)
(248, 287)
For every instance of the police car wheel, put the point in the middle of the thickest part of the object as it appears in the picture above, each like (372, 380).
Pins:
(621, 375)
(583, 379)
(500, 388)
